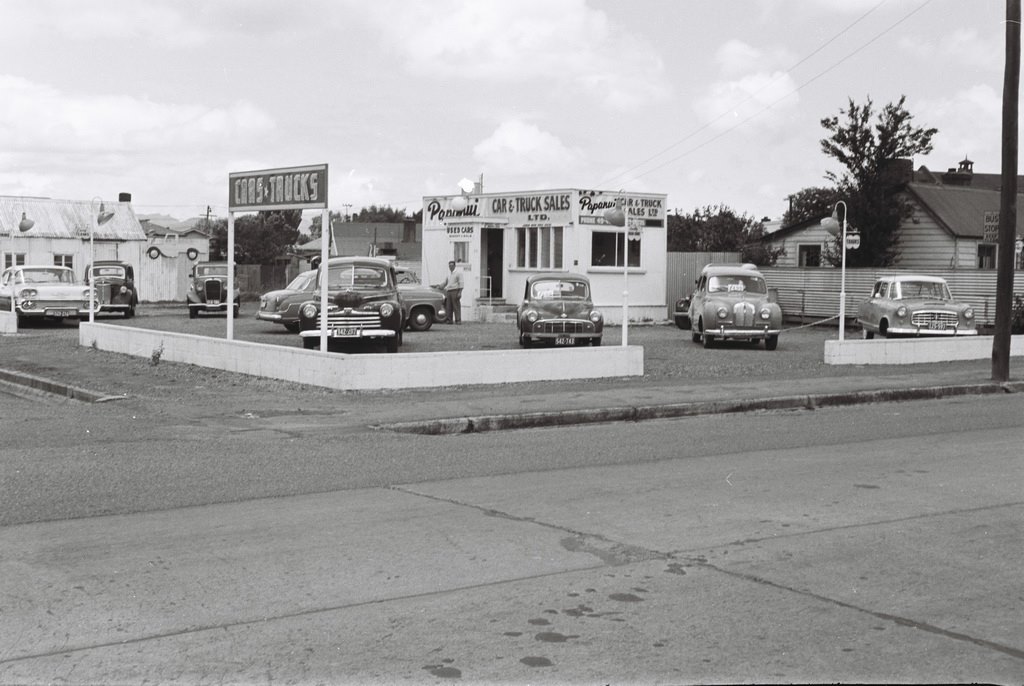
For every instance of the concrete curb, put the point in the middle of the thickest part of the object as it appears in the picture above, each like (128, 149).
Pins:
(504, 422)
(47, 386)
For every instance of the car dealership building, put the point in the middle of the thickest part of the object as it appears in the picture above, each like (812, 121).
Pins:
(499, 239)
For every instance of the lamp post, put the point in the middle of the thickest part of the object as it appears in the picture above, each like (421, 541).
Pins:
(617, 217)
(96, 218)
(832, 225)
(24, 225)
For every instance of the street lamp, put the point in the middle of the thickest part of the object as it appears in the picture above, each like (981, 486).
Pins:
(617, 217)
(461, 201)
(24, 225)
(831, 224)
(97, 218)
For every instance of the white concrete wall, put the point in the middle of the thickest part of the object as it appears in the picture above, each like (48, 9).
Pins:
(915, 350)
(368, 371)
(8, 323)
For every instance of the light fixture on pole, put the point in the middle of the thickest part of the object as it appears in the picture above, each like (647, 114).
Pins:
(24, 225)
(461, 202)
(616, 216)
(96, 219)
(832, 225)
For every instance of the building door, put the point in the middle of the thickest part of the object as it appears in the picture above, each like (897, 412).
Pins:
(493, 250)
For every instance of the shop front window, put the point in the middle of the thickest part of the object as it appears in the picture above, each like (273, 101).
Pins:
(460, 251)
(606, 249)
(810, 256)
(986, 256)
(539, 247)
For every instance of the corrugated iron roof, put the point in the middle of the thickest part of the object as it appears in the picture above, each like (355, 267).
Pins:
(960, 209)
(69, 218)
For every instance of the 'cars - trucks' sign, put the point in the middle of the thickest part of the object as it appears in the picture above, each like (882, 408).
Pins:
(278, 189)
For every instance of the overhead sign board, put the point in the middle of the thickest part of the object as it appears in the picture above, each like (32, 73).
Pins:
(290, 188)
(852, 241)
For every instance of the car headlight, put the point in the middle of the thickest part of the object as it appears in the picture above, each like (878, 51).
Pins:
(765, 313)
(31, 293)
(596, 316)
(86, 294)
(309, 311)
(531, 316)
(722, 313)
(386, 310)
(969, 313)
(901, 311)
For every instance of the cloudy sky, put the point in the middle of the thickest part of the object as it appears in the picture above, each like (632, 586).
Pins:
(709, 101)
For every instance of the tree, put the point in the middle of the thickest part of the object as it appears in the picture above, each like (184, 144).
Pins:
(385, 214)
(259, 239)
(868, 152)
(720, 229)
(810, 203)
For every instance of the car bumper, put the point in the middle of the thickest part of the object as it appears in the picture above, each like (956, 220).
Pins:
(208, 306)
(920, 331)
(269, 317)
(734, 332)
(348, 334)
(52, 312)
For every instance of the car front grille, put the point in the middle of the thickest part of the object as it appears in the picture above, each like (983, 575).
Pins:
(557, 326)
(339, 319)
(934, 319)
(743, 314)
(213, 289)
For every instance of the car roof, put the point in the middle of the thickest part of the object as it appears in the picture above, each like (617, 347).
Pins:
(912, 277)
(376, 261)
(715, 269)
(548, 276)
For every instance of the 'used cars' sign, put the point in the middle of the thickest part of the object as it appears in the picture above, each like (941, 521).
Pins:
(292, 188)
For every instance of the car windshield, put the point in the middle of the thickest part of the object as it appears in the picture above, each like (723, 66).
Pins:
(48, 276)
(549, 290)
(300, 282)
(356, 276)
(210, 270)
(736, 283)
(924, 289)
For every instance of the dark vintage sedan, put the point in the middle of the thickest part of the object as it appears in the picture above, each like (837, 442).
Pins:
(914, 305)
(363, 304)
(208, 289)
(557, 309)
(116, 292)
(424, 305)
(281, 306)
(731, 302)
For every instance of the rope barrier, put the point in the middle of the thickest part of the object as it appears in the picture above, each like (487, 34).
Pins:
(805, 326)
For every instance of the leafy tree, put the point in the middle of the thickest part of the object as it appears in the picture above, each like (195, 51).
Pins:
(385, 213)
(810, 203)
(720, 229)
(867, 151)
(259, 239)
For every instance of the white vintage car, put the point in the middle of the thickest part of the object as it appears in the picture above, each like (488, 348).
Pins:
(43, 292)
(914, 305)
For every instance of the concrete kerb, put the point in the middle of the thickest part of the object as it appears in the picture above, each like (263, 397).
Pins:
(505, 422)
(55, 388)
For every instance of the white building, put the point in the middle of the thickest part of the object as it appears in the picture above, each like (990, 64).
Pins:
(499, 239)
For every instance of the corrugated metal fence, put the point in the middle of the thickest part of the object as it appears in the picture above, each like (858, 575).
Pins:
(811, 294)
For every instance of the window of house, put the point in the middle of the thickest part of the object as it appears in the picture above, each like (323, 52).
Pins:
(539, 247)
(986, 256)
(810, 256)
(64, 261)
(460, 251)
(606, 249)
(19, 259)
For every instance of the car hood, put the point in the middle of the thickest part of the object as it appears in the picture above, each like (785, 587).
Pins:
(931, 304)
(739, 296)
(569, 308)
(279, 294)
(60, 291)
(356, 298)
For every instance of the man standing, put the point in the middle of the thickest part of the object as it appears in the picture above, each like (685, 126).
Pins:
(453, 294)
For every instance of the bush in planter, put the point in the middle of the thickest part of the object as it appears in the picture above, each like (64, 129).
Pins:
(1017, 316)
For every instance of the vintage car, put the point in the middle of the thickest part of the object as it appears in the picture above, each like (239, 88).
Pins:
(558, 309)
(364, 304)
(115, 287)
(914, 305)
(43, 292)
(424, 305)
(731, 302)
(282, 306)
(208, 289)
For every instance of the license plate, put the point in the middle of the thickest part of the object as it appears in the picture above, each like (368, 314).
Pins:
(347, 332)
(213, 302)
(564, 340)
(61, 313)
(936, 325)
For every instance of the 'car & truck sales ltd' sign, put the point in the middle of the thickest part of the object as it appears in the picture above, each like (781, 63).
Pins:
(290, 188)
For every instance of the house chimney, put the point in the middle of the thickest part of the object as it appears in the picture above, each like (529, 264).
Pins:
(897, 172)
(124, 197)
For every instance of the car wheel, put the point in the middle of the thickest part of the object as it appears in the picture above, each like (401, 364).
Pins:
(391, 344)
(771, 342)
(707, 339)
(130, 312)
(193, 312)
(868, 335)
(421, 319)
(696, 332)
(683, 322)
(293, 327)
(524, 341)
(883, 329)
(595, 341)
(309, 343)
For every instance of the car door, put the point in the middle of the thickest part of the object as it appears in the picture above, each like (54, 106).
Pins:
(870, 314)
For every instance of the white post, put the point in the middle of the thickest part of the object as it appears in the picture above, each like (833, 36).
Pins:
(13, 265)
(90, 272)
(625, 283)
(231, 276)
(842, 282)
(325, 227)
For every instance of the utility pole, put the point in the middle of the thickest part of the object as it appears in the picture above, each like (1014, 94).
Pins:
(1007, 197)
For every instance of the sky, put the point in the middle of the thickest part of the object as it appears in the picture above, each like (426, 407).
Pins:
(712, 102)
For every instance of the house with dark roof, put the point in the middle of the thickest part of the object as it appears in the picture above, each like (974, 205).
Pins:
(954, 223)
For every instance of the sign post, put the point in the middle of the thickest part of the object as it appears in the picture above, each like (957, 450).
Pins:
(288, 188)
